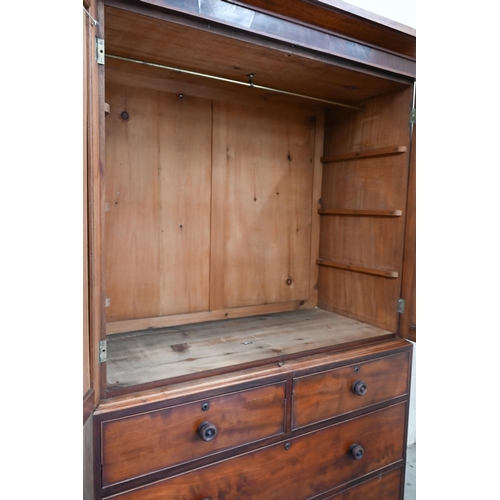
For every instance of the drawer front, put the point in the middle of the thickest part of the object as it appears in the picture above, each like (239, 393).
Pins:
(327, 394)
(148, 442)
(387, 486)
(297, 469)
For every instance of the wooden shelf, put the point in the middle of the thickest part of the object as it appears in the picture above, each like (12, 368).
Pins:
(385, 273)
(366, 213)
(369, 153)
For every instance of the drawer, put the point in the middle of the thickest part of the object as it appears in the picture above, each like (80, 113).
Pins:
(331, 393)
(388, 486)
(297, 469)
(155, 440)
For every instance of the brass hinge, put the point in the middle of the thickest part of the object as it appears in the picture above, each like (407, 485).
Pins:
(103, 346)
(401, 306)
(413, 115)
(99, 50)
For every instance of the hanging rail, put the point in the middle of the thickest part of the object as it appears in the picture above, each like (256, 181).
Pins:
(250, 83)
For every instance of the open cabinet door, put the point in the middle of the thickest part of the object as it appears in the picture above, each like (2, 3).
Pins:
(408, 321)
(94, 374)
(88, 391)
(92, 308)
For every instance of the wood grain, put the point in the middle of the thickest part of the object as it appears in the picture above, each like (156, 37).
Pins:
(343, 18)
(316, 205)
(185, 133)
(156, 440)
(349, 266)
(234, 380)
(132, 192)
(94, 150)
(86, 305)
(261, 206)
(366, 213)
(158, 191)
(360, 296)
(143, 357)
(326, 41)
(310, 465)
(387, 486)
(198, 317)
(369, 153)
(376, 183)
(328, 394)
(230, 54)
(408, 321)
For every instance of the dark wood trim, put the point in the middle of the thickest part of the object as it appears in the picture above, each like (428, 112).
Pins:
(288, 34)
(344, 19)
(363, 15)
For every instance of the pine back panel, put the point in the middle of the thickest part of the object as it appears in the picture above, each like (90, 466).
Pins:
(211, 207)
(261, 209)
(158, 201)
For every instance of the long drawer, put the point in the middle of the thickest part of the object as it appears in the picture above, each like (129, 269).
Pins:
(331, 393)
(155, 440)
(297, 469)
(382, 487)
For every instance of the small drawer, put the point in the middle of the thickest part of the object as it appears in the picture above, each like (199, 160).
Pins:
(296, 469)
(148, 442)
(335, 392)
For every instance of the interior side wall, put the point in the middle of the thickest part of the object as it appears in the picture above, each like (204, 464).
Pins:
(366, 249)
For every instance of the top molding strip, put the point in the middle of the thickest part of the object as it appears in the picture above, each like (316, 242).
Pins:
(342, 18)
(292, 31)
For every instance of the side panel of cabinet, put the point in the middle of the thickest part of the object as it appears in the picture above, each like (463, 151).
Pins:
(365, 241)
(408, 322)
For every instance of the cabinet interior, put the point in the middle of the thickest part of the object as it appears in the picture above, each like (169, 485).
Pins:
(244, 225)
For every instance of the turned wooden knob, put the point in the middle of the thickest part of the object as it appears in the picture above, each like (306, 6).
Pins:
(359, 388)
(207, 431)
(356, 451)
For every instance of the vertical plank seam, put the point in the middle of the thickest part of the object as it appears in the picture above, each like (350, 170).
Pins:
(211, 204)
